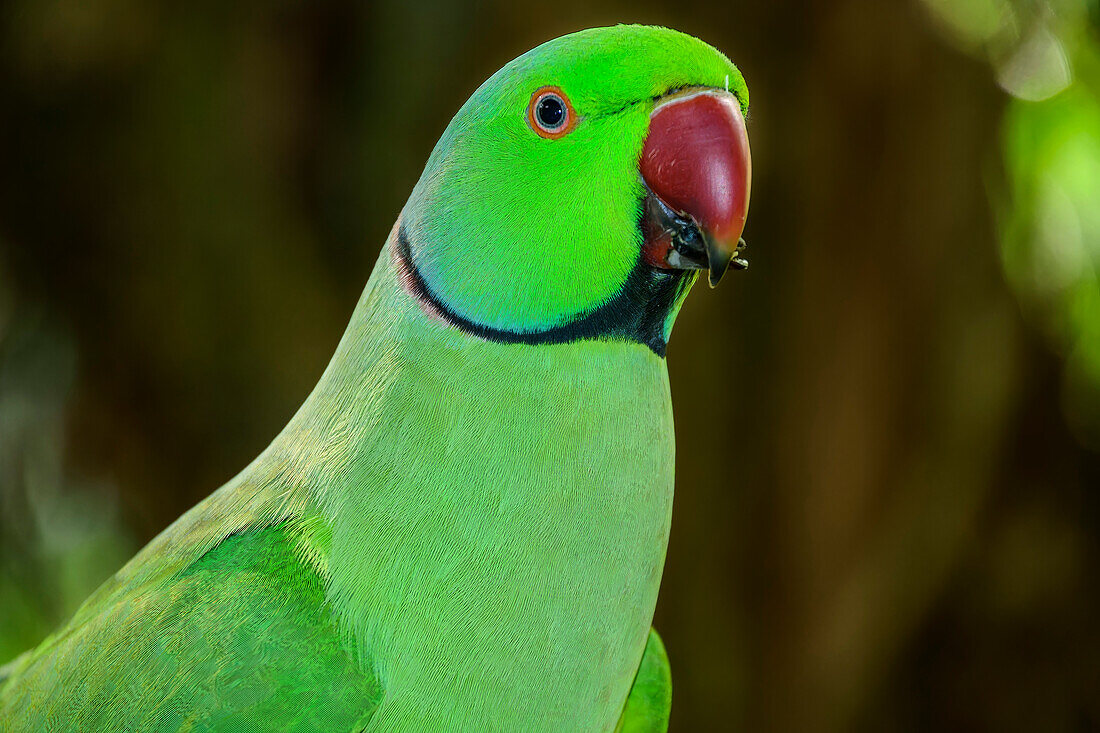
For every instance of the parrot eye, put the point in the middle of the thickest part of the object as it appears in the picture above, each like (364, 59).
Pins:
(550, 114)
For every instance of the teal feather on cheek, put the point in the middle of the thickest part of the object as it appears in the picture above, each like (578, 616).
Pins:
(681, 294)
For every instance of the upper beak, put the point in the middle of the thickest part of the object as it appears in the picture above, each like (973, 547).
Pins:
(697, 167)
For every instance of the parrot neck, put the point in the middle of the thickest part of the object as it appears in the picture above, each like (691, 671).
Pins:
(642, 311)
(456, 474)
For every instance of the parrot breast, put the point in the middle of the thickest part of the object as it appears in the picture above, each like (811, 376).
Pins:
(507, 516)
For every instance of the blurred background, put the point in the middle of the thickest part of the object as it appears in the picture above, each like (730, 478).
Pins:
(904, 534)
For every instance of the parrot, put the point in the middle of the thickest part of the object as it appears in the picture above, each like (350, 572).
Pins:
(464, 526)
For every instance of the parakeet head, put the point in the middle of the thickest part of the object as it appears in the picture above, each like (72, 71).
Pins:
(581, 188)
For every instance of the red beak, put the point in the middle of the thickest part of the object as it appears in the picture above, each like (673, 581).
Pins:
(696, 162)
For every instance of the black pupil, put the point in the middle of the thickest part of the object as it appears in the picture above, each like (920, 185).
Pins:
(551, 111)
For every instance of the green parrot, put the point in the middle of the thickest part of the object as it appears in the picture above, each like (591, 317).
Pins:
(464, 526)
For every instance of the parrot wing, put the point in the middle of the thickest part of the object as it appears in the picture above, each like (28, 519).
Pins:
(239, 639)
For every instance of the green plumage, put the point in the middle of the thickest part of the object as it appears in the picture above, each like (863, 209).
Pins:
(240, 639)
(456, 531)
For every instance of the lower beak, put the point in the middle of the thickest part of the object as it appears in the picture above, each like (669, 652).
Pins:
(698, 171)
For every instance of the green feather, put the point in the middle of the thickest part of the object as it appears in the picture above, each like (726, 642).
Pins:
(650, 700)
(241, 640)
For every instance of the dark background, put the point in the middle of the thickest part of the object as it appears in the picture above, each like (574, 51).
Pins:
(887, 512)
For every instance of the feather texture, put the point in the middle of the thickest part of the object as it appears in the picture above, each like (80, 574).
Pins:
(455, 532)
